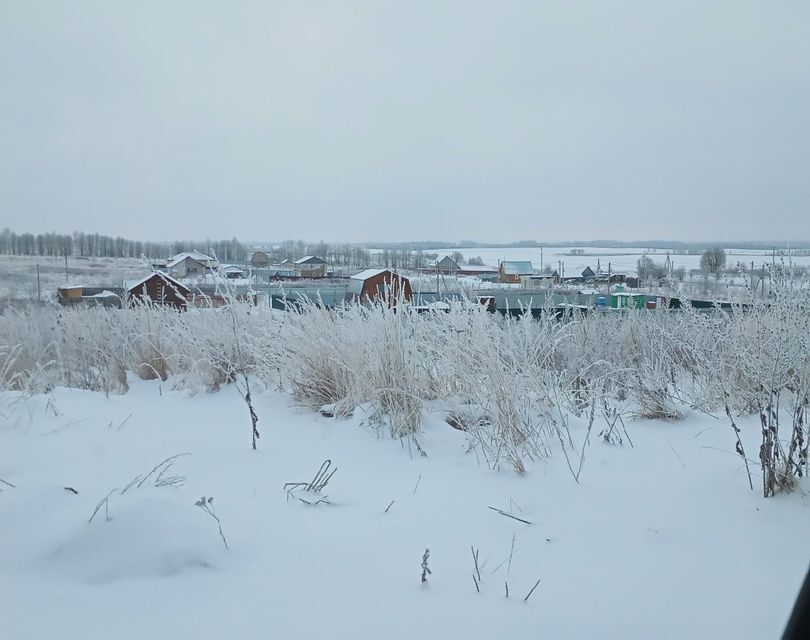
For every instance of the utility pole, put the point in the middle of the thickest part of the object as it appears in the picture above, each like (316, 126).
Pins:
(66, 270)
(39, 294)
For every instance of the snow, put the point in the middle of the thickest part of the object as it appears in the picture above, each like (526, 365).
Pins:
(130, 285)
(368, 273)
(194, 255)
(517, 268)
(662, 540)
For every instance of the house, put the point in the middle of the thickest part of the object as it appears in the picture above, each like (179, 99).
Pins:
(446, 266)
(513, 270)
(588, 274)
(233, 272)
(379, 284)
(259, 259)
(190, 264)
(159, 288)
(544, 278)
(311, 267)
(159, 264)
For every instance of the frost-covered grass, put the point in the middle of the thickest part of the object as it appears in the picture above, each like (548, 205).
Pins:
(515, 387)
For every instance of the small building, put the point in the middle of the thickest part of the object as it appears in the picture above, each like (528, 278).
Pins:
(513, 270)
(311, 267)
(70, 294)
(281, 272)
(259, 259)
(159, 264)
(233, 272)
(379, 284)
(90, 296)
(446, 266)
(588, 274)
(626, 300)
(159, 288)
(544, 279)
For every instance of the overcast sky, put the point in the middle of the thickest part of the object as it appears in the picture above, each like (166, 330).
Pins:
(361, 121)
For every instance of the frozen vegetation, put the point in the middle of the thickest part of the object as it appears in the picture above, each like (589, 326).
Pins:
(644, 473)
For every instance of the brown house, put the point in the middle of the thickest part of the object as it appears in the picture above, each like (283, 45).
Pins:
(379, 284)
(159, 288)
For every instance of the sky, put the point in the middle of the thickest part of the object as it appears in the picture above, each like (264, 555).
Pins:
(392, 121)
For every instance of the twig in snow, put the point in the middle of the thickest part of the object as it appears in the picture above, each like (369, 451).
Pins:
(7, 483)
(477, 588)
(389, 506)
(207, 505)
(72, 490)
(475, 561)
(739, 446)
(509, 515)
(425, 569)
(418, 480)
(509, 566)
(506, 586)
(105, 502)
(528, 595)
(676, 454)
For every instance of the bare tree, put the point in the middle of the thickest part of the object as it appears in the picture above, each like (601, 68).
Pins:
(713, 261)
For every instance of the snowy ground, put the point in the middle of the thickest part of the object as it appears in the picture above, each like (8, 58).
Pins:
(664, 540)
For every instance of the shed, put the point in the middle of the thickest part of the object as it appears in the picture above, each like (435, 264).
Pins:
(588, 274)
(374, 284)
(233, 272)
(161, 289)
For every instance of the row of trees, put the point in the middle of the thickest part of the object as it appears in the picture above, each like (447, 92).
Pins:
(100, 246)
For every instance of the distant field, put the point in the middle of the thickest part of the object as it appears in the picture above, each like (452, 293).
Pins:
(621, 260)
(18, 274)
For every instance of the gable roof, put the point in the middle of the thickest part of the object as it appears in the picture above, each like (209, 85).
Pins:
(310, 260)
(370, 273)
(164, 276)
(586, 272)
(447, 261)
(517, 267)
(194, 255)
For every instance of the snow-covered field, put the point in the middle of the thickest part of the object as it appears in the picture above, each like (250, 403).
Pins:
(660, 540)
(18, 274)
(621, 260)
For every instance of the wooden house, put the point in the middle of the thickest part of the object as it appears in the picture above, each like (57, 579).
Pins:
(379, 284)
(311, 267)
(259, 259)
(159, 288)
(513, 270)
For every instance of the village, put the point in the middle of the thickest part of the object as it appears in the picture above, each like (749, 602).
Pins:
(195, 279)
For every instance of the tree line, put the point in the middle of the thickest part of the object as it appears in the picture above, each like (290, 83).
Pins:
(95, 245)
